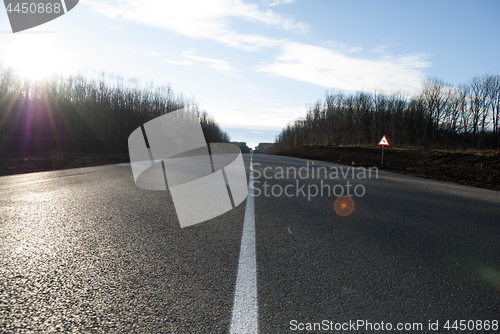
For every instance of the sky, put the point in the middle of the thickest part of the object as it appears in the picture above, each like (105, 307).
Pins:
(257, 65)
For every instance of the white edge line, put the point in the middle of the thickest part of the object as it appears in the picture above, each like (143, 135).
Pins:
(245, 308)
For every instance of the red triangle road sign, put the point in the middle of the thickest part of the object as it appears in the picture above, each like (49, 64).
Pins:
(384, 141)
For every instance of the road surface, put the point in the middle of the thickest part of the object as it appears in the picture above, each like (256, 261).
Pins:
(85, 250)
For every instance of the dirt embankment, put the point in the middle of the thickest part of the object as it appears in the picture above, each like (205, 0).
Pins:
(24, 156)
(473, 168)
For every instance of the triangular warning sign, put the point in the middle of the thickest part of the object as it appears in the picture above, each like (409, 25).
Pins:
(384, 141)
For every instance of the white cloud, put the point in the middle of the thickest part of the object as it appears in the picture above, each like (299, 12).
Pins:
(179, 62)
(329, 68)
(341, 47)
(188, 58)
(329, 65)
(286, 115)
(253, 13)
(207, 19)
(273, 3)
(256, 115)
(218, 64)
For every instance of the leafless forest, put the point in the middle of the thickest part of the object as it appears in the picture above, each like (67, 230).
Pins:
(93, 109)
(440, 116)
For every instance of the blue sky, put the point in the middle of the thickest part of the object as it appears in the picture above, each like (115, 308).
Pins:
(256, 65)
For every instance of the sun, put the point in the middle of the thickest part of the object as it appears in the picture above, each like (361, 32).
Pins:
(37, 56)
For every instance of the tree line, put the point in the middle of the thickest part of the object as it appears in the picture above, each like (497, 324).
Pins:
(95, 107)
(440, 116)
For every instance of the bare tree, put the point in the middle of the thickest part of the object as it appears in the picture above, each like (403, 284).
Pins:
(493, 83)
(441, 115)
(83, 109)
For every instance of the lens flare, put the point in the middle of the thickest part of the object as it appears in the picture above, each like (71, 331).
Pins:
(344, 206)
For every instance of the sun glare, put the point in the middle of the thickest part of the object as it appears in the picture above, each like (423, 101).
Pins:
(344, 206)
(37, 56)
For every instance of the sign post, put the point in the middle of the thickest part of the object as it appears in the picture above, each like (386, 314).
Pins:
(383, 142)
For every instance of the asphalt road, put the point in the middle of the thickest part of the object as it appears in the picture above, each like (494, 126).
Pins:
(85, 250)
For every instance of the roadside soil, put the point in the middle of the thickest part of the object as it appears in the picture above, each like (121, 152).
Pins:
(36, 155)
(472, 168)
(29, 165)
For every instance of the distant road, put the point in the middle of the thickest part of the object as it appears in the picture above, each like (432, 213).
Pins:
(85, 250)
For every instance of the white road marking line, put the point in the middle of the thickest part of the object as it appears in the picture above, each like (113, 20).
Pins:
(245, 310)
(289, 231)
